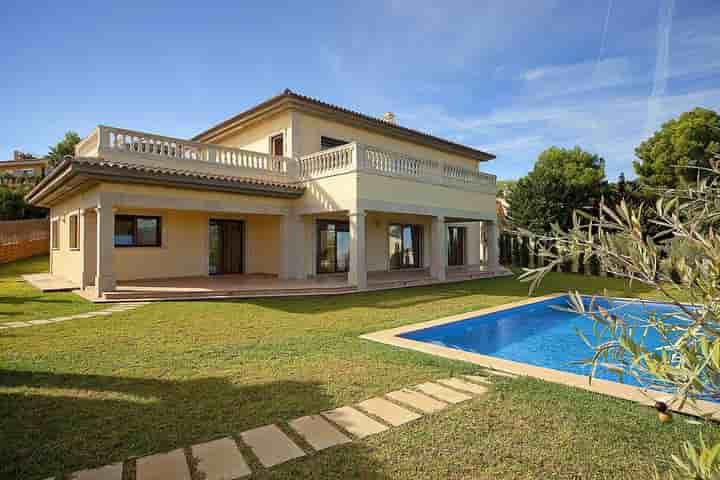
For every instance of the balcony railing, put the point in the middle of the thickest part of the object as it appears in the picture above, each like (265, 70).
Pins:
(174, 152)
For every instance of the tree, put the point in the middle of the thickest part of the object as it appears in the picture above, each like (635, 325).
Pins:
(14, 207)
(682, 264)
(64, 147)
(561, 181)
(678, 152)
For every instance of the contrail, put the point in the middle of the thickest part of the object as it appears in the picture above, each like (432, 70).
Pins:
(662, 61)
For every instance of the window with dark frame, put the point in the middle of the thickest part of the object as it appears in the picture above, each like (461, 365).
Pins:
(277, 145)
(137, 231)
(405, 246)
(328, 142)
(54, 234)
(74, 232)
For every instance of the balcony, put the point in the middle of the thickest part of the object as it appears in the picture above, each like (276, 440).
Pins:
(116, 144)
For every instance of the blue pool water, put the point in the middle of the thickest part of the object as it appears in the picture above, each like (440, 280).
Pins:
(538, 334)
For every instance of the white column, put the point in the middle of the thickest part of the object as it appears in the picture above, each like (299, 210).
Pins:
(292, 247)
(104, 274)
(493, 250)
(357, 275)
(438, 257)
(82, 243)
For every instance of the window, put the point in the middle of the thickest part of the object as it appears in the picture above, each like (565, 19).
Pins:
(456, 245)
(277, 145)
(405, 246)
(137, 231)
(54, 235)
(327, 142)
(74, 232)
(333, 246)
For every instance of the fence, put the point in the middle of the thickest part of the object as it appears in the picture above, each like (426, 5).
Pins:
(23, 239)
(519, 252)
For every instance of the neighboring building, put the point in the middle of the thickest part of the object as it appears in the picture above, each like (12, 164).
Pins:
(23, 169)
(306, 193)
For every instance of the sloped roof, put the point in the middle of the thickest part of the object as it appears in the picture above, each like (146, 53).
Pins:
(289, 98)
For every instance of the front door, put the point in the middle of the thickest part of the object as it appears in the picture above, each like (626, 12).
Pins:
(226, 247)
(456, 245)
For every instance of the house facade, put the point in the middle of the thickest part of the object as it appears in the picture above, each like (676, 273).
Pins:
(293, 189)
(23, 170)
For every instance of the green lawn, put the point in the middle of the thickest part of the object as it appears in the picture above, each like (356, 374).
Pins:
(19, 301)
(90, 392)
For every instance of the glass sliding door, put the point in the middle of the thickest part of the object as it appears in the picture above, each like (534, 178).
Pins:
(405, 246)
(226, 247)
(333, 249)
(456, 245)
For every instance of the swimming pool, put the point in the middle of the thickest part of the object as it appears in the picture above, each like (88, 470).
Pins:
(537, 334)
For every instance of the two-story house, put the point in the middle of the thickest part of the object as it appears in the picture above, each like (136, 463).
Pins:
(291, 196)
(23, 169)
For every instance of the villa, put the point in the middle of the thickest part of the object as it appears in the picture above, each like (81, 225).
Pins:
(291, 196)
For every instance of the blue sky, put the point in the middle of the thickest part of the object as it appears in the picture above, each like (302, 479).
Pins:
(510, 77)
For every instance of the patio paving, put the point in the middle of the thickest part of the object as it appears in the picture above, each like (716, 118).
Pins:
(443, 393)
(220, 460)
(417, 400)
(164, 466)
(271, 446)
(388, 411)
(318, 432)
(354, 422)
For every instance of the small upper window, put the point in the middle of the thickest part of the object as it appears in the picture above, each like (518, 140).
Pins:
(277, 145)
(328, 142)
(54, 235)
(74, 232)
(137, 231)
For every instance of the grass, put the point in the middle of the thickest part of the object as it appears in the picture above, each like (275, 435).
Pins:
(19, 301)
(90, 392)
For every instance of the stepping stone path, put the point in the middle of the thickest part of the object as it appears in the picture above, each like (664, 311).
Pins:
(318, 432)
(117, 308)
(388, 411)
(416, 400)
(271, 445)
(443, 393)
(163, 466)
(354, 422)
(222, 459)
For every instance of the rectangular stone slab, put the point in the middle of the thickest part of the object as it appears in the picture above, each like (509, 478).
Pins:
(318, 432)
(163, 466)
(417, 400)
(388, 411)
(354, 422)
(271, 445)
(109, 472)
(443, 393)
(479, 379)
(461, 385)
(220, 460)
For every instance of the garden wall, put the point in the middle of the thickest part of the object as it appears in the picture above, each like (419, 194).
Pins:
(23, 239)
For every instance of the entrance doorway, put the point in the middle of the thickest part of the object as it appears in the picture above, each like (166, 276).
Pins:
(456, 245)
(227, 246)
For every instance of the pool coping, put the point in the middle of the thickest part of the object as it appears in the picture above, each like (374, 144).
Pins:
(606, 387)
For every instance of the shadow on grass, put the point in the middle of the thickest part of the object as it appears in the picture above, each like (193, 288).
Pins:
(54, 424)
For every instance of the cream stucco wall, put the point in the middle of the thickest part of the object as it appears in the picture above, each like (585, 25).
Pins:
(257, 137)
(184, 248)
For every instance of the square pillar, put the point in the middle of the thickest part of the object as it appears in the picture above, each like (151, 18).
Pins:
(82, 243)
(292, 247)
(104, 274)
(357, 274)
(493, 250)
(439, 254)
